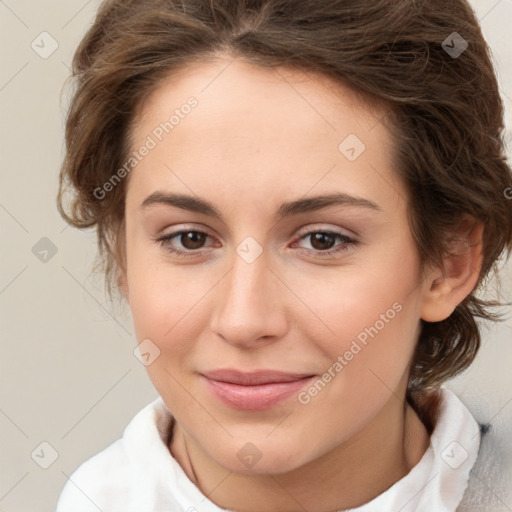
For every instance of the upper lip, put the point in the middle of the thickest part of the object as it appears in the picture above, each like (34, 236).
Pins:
(253, 378)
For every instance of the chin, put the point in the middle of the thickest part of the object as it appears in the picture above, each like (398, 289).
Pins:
(261, 457)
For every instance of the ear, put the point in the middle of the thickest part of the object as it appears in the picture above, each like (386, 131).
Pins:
(446, 288)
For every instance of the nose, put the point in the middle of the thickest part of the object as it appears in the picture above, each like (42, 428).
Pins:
(249, 309)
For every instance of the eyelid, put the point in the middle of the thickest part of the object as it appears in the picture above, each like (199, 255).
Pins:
(306, 229)
(185, 228)
(327, 228)
(348, 242)
(178, 228)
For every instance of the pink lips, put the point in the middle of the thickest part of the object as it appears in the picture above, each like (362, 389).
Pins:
(256, 390)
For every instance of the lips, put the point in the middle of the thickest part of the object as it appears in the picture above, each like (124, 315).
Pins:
(255, 390)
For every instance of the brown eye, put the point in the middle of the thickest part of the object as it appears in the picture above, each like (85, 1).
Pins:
(184, 242)
(322, 241)
(192, 239)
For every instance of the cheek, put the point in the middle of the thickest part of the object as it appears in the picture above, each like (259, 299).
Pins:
(366, 361)
(373, 342)
(346, 305)
(161, 311)
(154, 290)
(372, 315)
(167, 303)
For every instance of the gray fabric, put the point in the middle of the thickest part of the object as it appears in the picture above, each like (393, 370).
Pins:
(489, 480)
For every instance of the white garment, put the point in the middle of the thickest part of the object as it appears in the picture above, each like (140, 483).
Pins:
(137, 473)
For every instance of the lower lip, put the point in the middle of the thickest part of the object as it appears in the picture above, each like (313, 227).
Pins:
(258, 397)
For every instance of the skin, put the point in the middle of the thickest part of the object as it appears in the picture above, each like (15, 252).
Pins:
(260, 137)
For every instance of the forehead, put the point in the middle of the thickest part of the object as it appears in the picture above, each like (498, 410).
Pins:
(259, 129)
(255, 97)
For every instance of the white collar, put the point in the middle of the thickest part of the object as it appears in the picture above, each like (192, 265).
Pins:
(437, 483)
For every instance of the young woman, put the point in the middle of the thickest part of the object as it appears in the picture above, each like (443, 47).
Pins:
(299, 201)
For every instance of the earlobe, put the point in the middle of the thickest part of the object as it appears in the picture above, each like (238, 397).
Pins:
(445, 290)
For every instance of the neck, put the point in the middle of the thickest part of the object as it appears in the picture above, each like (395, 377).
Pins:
(347, 477)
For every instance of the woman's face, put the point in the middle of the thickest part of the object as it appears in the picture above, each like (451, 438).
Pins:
(327, 292)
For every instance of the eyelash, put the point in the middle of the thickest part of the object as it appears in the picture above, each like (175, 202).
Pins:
(347, 245)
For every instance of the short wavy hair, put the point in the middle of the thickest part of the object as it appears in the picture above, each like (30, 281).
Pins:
(446, 117)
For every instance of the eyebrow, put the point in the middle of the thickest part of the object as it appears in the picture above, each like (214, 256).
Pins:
(305, 205)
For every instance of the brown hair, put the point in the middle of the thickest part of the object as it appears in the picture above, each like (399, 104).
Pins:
(445, 110)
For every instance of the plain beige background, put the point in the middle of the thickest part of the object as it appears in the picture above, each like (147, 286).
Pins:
(68, 375)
